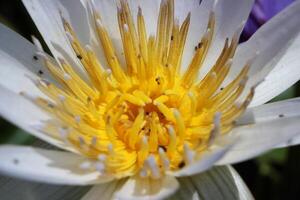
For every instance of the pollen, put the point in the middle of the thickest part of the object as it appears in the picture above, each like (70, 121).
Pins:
(143, 115)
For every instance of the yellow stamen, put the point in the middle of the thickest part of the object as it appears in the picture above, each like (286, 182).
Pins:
(144, 117)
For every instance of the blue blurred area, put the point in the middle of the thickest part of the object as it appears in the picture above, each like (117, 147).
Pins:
(262, 11)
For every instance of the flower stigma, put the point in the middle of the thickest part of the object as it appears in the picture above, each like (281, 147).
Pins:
(142, 117)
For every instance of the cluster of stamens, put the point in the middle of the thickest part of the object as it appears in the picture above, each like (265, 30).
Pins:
(145, 117)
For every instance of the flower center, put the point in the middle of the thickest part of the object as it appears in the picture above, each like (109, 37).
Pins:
(143, 116)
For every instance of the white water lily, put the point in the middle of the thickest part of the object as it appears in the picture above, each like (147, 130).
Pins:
(142, 93)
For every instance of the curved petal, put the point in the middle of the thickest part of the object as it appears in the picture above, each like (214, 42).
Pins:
(18, 69)
(285, 74)
(15, 77)
(46, 16)
(137, 188)
(291, 142)
(217, 183)
(272, 111)
(77, 14)
(199, 19)
(20, 50)
(230, 16)
(48, 166)
(206, 160)
(270, 43)
(108, 12)
(105, 191)
(16, 189)
(25, 115)
(260, 137)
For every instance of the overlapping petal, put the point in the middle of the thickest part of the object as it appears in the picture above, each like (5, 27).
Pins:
(273, 111)
(137, 188)
(230, 17)
(265, 127)
(48, 166)
(16, 189)
(273, 48)
(217, 183)
(259, 130)
(208, 158)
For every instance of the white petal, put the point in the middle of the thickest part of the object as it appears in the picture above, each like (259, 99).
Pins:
(46, 16)
(198, 24)
(271, 111)
(15, 77)
(216, 183)
(77, 14)
(17, 63)
(102, 191)
(108, 12)
(230, 16)
(290, 142)
(285, 74)
(244, 193)
(227, 21)
(260, 137)
(47, 166)
(25, 115)
(137, 188)
(208, 158)
(25, 190)
(270, 42)
(20, 50)
(18, 67)
(150, 9)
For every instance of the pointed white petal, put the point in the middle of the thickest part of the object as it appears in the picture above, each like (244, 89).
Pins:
(108, 11)
(208, 158)
(47, 18)
(47, 166)
(270, 43)
(102, 191)
(230, 16)
(26, 190)
(243, 190)
(260, 137)
(15, 77)
(25, 115)
(18, 69)
(216, 183)
(227, 21)
(77, 15)
(20, 50)
(285, 73)
(290, 142)
(199, 19)
(137, 188)
(271, 111)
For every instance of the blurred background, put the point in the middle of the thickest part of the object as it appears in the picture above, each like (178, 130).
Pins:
(274, 175)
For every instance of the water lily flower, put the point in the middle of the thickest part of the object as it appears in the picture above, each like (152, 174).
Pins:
(262, 11)
(141, 94)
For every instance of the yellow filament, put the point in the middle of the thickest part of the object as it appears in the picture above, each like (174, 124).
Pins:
(145, 111)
